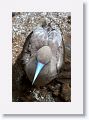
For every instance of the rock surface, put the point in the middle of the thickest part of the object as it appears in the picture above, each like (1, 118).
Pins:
(58, 90)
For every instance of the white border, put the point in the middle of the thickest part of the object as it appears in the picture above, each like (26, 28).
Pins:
(76, 104)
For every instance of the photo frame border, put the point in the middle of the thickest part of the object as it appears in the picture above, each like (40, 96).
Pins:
(76, 104)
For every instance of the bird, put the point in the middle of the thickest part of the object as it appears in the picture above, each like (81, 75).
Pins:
(43, 54)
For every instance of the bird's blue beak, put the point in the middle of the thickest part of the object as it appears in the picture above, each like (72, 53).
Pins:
(38, 69)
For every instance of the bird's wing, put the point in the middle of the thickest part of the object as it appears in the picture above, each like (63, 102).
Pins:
(35, 40)
(61, 52)
(57, 46)
(39, 39)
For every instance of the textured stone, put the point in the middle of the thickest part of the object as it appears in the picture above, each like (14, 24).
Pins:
(66, 92)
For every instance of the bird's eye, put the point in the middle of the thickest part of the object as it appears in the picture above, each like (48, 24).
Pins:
(36, 61)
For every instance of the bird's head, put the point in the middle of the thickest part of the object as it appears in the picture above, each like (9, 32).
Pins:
(43, 57)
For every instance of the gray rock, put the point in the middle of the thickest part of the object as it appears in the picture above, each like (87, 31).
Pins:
(66, 92)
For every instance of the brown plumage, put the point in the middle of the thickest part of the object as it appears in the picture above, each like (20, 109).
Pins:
(45, 46)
